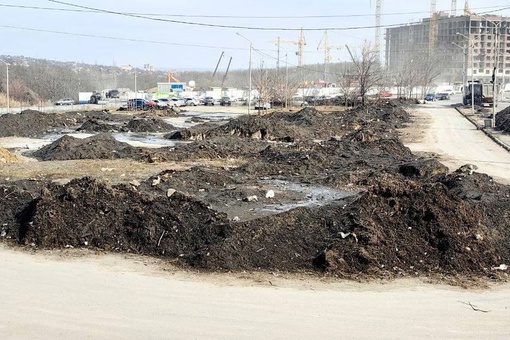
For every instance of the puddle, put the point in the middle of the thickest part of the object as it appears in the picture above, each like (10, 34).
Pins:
(312, 195)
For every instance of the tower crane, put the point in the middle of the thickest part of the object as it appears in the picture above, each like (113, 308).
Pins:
(300, 43)
(432, 27)
(324, 45)
(453, 11)
(466, 8)
(378, 10)
(170, 76)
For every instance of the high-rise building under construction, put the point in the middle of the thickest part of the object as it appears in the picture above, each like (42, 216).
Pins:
(466, 47)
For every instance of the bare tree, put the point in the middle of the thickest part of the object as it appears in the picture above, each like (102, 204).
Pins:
(369, 69)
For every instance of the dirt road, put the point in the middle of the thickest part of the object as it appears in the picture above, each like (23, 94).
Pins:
(108, 297)
(441, 130)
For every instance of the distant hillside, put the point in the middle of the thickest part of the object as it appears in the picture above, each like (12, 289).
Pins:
(34, 80)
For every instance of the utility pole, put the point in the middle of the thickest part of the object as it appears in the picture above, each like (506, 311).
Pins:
(7, 83)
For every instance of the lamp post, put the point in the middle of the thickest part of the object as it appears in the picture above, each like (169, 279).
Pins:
(495, 69)
(7, 92)
(249, 67)
(472, 74)
(464, 64)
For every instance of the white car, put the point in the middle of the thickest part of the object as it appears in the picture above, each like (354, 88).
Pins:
(191, 101)
(178, 102)
(163, 103)
(65, 101)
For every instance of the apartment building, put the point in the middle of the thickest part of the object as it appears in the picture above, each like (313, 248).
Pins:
(466, 47)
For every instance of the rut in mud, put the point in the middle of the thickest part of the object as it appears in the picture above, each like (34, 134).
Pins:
(404, 215)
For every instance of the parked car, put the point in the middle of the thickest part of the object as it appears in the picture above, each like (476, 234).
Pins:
(225, 101)
(163, 103)
(113, 94)
(140, 104)
(178, 102)
(442, 96)
(384, 94)
(209, 101)
(65, 101)
(191, 101)
(430, 97)
(262, 106)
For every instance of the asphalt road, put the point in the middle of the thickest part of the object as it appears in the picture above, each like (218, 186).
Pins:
(440, 129)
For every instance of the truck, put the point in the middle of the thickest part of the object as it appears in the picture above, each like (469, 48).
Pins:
(483, 94)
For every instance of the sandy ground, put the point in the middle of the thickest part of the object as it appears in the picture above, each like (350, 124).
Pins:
(111, 297)
(62, 295)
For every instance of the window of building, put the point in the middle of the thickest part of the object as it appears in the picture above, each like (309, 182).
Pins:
(474, 72)
(507, 72)
(487, 72)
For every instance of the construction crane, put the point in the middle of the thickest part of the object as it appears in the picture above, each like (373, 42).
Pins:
(225, 75)
(170, 76)
(215, 70)
(453, 11)
(324, 45)
(300, 43)
(432, 27)
(377, 44)
(466, 8)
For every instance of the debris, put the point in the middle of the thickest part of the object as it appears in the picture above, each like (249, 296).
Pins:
(500, 267)
(252, 198)
(170, 192)
(270, 194)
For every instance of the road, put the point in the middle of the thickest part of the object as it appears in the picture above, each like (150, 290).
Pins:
(109, 297)
(439, 129)
(63, 295)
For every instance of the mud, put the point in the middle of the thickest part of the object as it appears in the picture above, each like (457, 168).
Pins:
(334, 193)
(503, 120)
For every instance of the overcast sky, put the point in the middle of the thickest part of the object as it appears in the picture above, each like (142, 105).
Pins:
(197, 44)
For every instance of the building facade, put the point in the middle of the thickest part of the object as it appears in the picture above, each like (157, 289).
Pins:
(467, 47)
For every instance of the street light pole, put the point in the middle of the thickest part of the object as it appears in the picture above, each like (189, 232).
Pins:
(472, 74)
(7, 81)
(249, 67)
(464, 65)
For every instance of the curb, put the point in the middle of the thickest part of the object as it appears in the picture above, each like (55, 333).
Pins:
(484, 130)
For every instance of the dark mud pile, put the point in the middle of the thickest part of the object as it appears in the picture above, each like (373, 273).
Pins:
(101, 146)
(406, 215)
(31, 123)
(303, 125)
(147, 125)
(93, 125)
(503, 120)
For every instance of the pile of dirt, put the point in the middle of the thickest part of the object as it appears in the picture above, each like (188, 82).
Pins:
(8, 157)
(147, 125)
(302, 125)
(86, 212)
(503, 120)
(405, 216)
(32, 123)
(101, 146)
(92, 125)
(397, 227)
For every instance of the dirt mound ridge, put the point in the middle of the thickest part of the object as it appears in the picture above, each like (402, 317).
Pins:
(148, 125)
(306, 124)
(397, 227)
(503, 120)
(92, 125)
(86, 212)
(102, 146)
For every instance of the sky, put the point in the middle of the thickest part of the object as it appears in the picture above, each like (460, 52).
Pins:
(192, 34)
